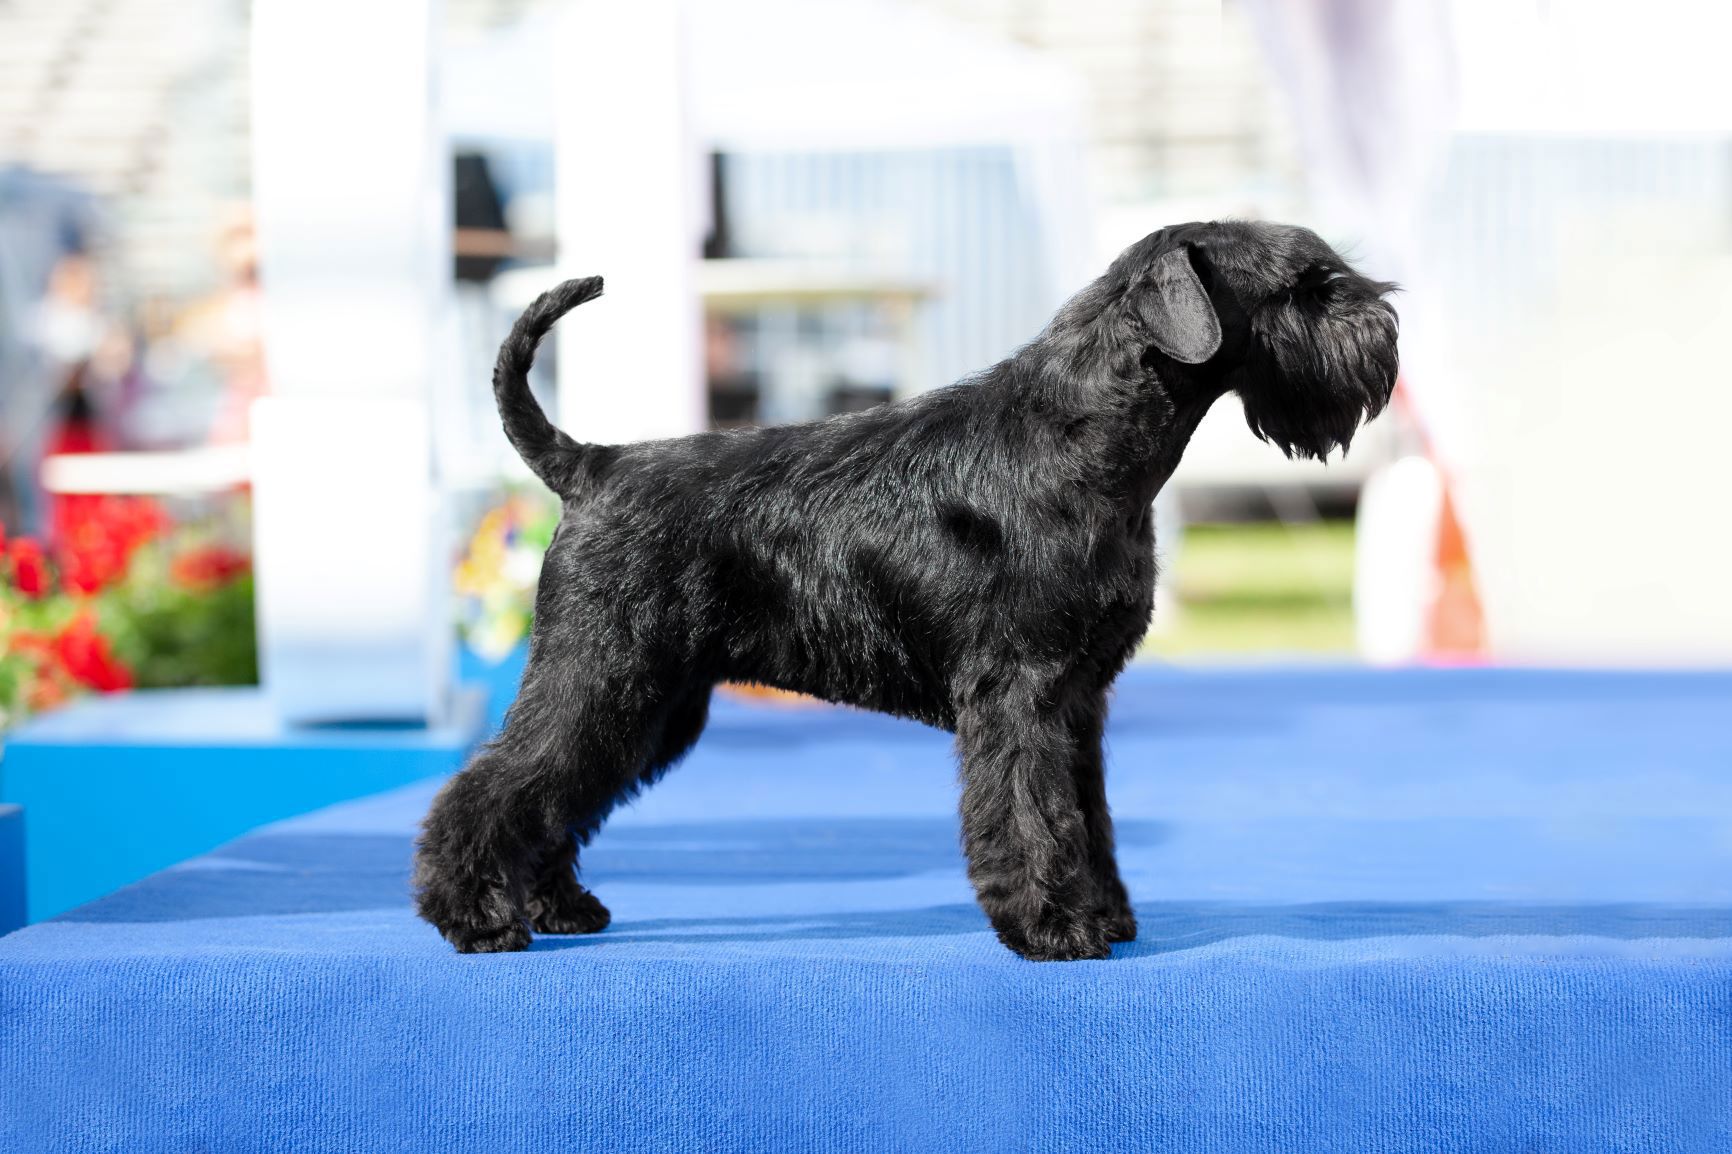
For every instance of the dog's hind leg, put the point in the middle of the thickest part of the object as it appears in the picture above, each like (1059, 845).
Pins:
(1091, 788)
(500, 832)
(681, 727)
(558, 904)
(1024, 830)
(479, 847)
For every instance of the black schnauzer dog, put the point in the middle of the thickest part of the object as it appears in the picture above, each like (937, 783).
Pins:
(979, 558)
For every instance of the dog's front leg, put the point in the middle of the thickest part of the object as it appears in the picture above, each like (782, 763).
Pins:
(1024, 830)
(1091, 787)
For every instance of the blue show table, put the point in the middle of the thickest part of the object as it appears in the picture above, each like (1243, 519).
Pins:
(1427, 910)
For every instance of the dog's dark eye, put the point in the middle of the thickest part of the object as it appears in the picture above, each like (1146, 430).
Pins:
(1317, 276)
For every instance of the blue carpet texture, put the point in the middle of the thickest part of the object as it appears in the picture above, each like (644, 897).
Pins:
(1418, 911)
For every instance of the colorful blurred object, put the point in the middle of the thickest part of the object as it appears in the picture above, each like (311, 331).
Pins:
(497, 575)
(209, 567)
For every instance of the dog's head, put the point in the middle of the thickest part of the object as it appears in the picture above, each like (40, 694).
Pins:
(1268, 311)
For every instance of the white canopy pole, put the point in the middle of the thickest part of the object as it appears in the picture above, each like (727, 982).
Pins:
(352, 182)
(627, 200)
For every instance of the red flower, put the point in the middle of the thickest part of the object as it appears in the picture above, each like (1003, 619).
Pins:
(96, 536)
(88, 570)
(209, 567)
(29, 567)
(86, 656)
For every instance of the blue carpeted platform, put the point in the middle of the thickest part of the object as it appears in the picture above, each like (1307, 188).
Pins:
(1425, 911)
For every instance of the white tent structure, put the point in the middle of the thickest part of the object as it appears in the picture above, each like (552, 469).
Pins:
(636, 95)
(1581, 234)
(1551, 183)
(777, 75)
(772, 75)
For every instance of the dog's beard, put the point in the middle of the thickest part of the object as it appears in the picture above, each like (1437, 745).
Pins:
(1319, 366)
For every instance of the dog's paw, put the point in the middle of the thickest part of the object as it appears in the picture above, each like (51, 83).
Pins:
(495, 940)
(571, 911)
(1114, 912)
(1121, 924)
(1058, 939)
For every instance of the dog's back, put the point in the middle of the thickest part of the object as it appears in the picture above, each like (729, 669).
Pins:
(849, 558)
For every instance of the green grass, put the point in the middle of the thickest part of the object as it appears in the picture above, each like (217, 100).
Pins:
(1259, 588)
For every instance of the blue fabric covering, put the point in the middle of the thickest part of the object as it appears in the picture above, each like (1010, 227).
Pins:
(1440, 911)
(120, 787)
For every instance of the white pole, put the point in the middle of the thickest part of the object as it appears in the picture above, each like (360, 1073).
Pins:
(628, 186)
(351, 173)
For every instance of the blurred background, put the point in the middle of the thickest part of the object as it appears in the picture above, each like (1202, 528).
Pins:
(255, 259)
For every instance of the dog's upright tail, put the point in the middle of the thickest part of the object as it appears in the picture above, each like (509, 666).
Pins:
(550, 453)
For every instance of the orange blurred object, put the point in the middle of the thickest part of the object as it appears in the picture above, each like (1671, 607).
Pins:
(1455, 626)
(764, 693)
(1456, 630)
(209, 567)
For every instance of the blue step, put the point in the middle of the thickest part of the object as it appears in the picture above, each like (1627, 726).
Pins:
(11, 868)
(121, 786)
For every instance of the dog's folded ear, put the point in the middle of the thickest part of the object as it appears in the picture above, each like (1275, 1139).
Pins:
(1176, 308)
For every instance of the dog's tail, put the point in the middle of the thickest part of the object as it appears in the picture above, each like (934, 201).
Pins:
(550, 453)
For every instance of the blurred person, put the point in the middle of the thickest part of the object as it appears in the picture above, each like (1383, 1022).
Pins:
(92, 358)
(43, 222)
(49, 404)
(82, 355)
(224, 332)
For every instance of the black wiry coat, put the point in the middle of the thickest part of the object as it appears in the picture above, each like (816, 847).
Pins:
(980, 558)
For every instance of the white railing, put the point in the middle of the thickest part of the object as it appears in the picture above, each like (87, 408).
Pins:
(186, 472)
